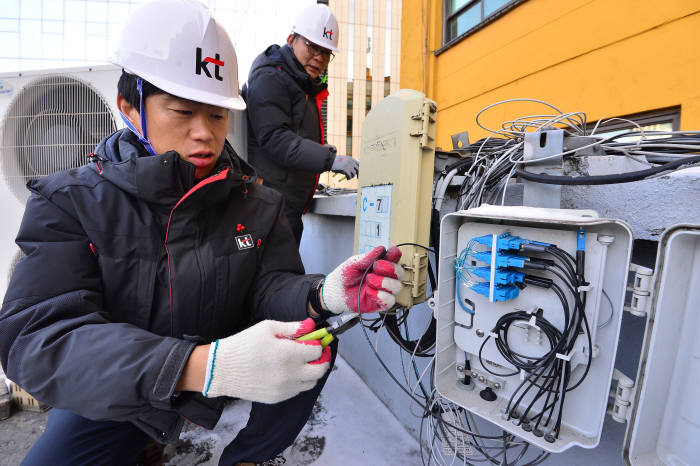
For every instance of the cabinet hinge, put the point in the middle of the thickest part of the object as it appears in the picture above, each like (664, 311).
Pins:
(622, 395)
(426, 116)
(418, 270)
(641, 287)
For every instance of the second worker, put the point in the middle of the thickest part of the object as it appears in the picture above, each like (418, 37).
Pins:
(285, 90)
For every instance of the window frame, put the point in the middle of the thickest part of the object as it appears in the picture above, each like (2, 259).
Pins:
(446, 18)
(652, 117)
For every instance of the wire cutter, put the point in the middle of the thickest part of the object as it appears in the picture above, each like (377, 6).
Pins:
(326, 334)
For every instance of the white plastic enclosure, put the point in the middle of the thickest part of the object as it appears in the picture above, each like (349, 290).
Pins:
(395, 184)
(665, 426)
(608, 247)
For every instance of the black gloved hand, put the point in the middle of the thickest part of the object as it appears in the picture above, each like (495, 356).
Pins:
(346, 165)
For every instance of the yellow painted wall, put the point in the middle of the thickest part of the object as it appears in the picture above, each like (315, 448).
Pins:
(604, 57)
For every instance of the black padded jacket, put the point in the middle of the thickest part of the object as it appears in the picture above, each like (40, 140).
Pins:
(285, 130)
(128, 265)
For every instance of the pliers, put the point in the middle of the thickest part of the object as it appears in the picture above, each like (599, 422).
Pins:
(326, 334)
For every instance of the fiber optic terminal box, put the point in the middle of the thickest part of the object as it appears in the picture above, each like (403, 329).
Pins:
(396, 182)
(492, 308)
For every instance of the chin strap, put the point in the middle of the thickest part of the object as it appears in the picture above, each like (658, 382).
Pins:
(143, 139)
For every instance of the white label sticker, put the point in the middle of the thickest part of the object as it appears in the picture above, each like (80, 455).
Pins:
(375, 218)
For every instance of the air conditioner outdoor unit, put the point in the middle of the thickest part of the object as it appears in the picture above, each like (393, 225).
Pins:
(49, 121)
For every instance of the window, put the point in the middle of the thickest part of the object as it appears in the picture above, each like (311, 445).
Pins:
(464, 16)
(668, 119)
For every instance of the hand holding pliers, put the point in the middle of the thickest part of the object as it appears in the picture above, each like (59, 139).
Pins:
(326, 334)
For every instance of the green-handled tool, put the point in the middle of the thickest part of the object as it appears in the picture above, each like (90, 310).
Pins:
(326, 334)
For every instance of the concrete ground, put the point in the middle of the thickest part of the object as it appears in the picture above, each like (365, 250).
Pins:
(349, 425)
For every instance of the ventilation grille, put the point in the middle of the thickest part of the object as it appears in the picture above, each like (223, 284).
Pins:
(51, 125)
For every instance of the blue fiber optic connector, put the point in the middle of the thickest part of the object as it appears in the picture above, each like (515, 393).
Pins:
(506, 241)
(500, 292)
(502, 260)
(501, 277)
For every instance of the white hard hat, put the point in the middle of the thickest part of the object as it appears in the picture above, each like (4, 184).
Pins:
(177, 46)
(317, 23)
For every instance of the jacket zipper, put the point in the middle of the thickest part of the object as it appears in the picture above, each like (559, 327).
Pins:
(218, 177)
(320, 97)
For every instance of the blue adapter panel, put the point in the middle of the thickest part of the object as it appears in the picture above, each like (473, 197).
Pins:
(500, 292)
(375, 217)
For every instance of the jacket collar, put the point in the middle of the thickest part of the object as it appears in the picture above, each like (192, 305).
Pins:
(163, 178)
(284, 58)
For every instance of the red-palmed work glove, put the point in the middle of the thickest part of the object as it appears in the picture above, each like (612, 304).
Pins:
(265, 363)
(340, 288)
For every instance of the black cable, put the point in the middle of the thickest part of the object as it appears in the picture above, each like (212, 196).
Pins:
(458, 164)
(435, 239)
(617, 178)
(381, 361)
(420, 347)
(401, 319)
(556, 380)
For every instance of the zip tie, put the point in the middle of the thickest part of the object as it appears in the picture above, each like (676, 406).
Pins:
(492, 334)
(533, 322)
(565, 357)
(584, 288)
(523, 374)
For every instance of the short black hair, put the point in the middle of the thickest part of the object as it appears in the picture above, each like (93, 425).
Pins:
(126, 87)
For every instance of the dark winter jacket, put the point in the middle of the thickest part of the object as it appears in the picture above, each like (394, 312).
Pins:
(129, 264)
(285, 132)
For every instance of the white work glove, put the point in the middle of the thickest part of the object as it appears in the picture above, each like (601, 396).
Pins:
(265, 363)
(339, 292)
(346, 165)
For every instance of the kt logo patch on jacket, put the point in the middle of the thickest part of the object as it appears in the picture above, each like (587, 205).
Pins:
(244, 242)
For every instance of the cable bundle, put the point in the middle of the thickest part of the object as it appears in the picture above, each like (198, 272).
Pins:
(546, 378)
(497, 158)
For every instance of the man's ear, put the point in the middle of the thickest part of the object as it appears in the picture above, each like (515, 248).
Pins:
(129, 111)
(290, 39)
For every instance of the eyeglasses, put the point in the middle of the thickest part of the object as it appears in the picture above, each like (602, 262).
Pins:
(316, 50)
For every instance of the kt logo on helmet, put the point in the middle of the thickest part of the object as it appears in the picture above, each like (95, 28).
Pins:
(201, 65)
(328, 33)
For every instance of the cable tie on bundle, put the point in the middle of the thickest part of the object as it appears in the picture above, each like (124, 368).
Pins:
(533, 322)
(564, 357)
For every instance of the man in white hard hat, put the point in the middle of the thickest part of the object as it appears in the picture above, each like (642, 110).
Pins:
(161, 280)
(285, 89)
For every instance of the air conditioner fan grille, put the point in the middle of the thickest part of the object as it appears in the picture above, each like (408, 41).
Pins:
(51, 125)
